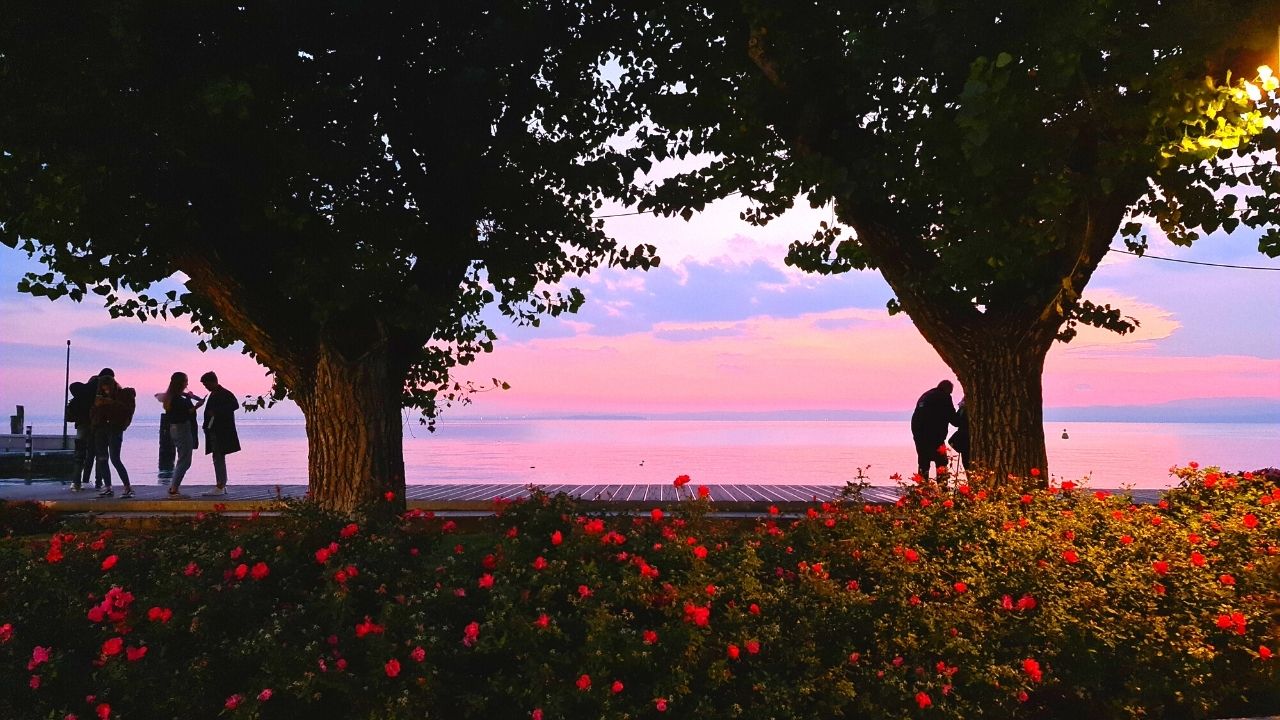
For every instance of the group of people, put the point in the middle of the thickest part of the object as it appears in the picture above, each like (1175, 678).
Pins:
(102, 410)
(933, 416)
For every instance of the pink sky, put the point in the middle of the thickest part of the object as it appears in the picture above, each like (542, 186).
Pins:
(723, 325)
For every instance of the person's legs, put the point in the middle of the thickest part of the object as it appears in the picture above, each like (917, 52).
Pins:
(220, 469)
(90, 451)
(181, 435)
(115, 440)
(164, 464)
(101, 450)
(924, 456)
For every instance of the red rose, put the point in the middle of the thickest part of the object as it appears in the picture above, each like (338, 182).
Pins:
(660, 704)
(392, 667)
(348, 531)
(112, 646)
(753, 647)
(1032, 668)
(923, 700)
(733, 652)
(260, 571)
(109, 562)
(681, 481)
(584, 682)
(1250, 520)
(616, 687)
(418, 654)
(556, 538)
(704, 492)
(233, 702)
(1071, 557)
(650, 637)
(960, 587)
(1160, 566)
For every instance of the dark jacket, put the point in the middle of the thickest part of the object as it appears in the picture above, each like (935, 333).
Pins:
(81, 404)
(220, 423)
(933, 413)
(960, 438)
(113, 411)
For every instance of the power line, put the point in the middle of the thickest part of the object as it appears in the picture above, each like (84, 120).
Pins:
(1195, 262)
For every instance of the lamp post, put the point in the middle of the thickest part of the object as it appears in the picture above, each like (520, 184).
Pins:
(66, 387)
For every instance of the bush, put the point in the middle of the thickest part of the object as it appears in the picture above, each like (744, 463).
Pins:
(25, 518)
(1055, 602)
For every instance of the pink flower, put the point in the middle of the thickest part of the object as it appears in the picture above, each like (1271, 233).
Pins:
(470, 634)
(34, 682)
(536, 714)
(233, 702)
(159, 614)
(418, 654)
(660, 704)
(368, 627)
(6, 633)
(259, 571)
(39, 656)
(109, 562)
(191, 569)
(265, 695)
(392, 667)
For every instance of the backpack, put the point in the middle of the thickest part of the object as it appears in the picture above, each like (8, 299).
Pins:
(79, 405)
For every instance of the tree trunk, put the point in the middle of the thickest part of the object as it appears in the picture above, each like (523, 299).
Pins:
(354, 441)
(1005, 405)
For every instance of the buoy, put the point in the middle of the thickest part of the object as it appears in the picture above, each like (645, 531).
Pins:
(1064, 434)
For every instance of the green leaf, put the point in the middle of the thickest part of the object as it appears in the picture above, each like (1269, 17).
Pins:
(1003, 59)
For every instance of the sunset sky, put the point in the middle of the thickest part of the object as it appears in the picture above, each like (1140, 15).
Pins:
(724, 325)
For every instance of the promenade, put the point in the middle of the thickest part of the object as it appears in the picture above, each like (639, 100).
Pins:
(153, 498)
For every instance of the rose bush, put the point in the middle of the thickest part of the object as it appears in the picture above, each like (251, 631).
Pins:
(1023, 602)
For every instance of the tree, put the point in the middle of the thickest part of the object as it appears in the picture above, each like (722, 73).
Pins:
(985, 155)
(344, 186)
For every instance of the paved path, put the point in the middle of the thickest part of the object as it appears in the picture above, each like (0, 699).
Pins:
(154, 498)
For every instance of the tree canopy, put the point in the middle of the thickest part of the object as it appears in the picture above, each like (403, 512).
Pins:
(984, 155)
(343, 186)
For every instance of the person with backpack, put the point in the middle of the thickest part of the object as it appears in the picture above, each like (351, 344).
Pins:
(110, 416)
(78, 412)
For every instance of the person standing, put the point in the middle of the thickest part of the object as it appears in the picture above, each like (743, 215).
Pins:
(180, 411)
(110, 417)
(220, 438)
(78, 412)
(933, 413)
(960, 438)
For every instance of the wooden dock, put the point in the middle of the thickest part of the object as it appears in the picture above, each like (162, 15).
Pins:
(153, 498)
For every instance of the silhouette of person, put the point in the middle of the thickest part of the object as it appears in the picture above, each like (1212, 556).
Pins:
(929, 421)
(960, 438)
(220, 438)
(78, 412)
(110, 416)
(180, 410)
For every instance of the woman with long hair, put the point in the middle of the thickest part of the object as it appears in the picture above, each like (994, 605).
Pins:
(180, 413)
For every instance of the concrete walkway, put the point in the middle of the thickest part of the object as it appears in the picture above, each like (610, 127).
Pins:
(153, 498)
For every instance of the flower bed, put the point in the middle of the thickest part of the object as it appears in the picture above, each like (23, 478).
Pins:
(953, 603)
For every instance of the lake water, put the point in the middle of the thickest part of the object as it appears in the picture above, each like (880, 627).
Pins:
(548, 452)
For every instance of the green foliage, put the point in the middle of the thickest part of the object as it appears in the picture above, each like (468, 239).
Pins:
(1053, 603)
(326, 176)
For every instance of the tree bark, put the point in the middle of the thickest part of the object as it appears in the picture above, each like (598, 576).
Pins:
(354, 438)
(1004, 403)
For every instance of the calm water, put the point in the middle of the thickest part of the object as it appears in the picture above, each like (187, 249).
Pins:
(643, 451)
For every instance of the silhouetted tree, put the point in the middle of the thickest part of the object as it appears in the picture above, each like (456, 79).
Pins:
(342, 186)
(984, 154)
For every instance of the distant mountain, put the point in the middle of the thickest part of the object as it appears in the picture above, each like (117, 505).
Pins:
(1199, 410)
